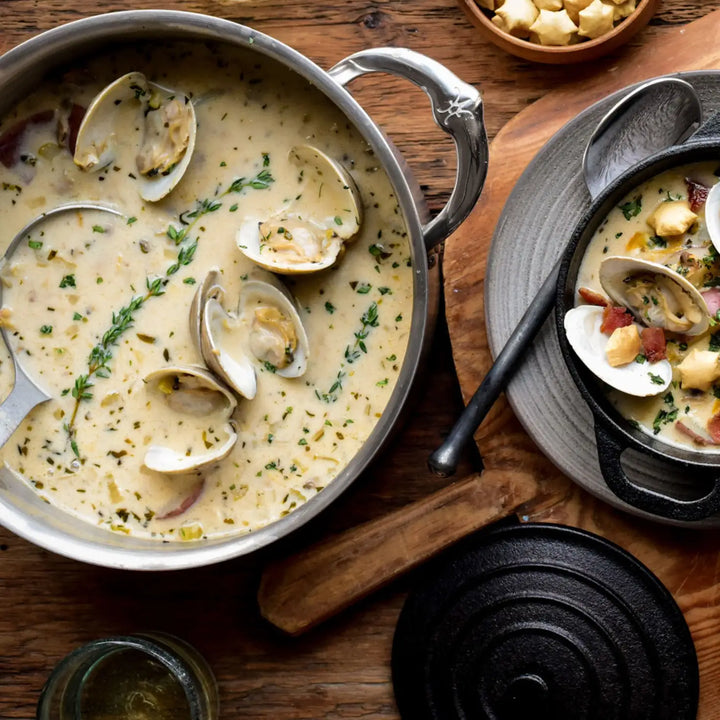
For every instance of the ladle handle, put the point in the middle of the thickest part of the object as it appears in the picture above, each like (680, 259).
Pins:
(444, 460)
(24, 396)
(610, 451)
(299, 592)
(457, 110)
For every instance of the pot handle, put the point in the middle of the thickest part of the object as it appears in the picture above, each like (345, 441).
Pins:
(457, 110)
(610, 451)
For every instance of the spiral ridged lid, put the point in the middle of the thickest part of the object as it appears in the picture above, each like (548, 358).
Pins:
(545, 622)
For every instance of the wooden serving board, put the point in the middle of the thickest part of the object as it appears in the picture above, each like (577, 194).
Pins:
(685, 560)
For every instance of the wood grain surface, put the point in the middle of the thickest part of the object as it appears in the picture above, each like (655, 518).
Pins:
(342, 670)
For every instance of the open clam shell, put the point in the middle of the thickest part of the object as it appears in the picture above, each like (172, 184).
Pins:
(311, 234)
(276, 335)
(266, 330)
(642, 379)
(204, 405)
(655, 294)
(223, 346)
(169, 128)
(712, 215)
(329, 195)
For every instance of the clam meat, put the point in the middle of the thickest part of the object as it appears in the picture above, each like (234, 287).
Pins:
(656, 295)
(166, 136)
(311, 233)
(266, 330)
(200, 431)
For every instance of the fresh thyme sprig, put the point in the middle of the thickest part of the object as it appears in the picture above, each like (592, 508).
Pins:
(368, 321)
(101, 354)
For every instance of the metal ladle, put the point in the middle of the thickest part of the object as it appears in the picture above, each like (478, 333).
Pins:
(658, 114)
(25, 393)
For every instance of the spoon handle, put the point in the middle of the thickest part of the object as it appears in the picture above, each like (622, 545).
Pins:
(444, 460)
(24, 396)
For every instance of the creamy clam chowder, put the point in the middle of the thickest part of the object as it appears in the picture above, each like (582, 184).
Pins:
(175, 410)
(648, 295)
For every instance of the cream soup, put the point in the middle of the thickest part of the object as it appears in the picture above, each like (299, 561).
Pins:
(663, 221)
(96, 303)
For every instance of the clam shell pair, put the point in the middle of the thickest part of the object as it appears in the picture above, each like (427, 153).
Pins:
(309, 235)
(192, 393)
(265, 330)
(169, 128)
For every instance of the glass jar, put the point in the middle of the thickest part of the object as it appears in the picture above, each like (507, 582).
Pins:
(147, 676)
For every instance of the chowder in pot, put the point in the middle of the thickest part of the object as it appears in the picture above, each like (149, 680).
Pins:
(648, 294)
(99, 307)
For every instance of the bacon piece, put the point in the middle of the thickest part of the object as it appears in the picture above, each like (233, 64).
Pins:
(653, 342)
(11, 139)
(69, 123)
(615, 317)
(186, 504)
(593, 298)
(697, 193)
(712, 300)
(713, 427)
(695, 437)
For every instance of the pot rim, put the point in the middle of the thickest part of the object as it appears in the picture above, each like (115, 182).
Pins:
(31, 60)
(589, 387)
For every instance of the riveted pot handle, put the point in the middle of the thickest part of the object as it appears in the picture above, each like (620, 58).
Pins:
(610, 451)
(457, 109)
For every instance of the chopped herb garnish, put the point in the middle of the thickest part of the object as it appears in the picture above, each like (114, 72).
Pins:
(46, 329)
(632, 208)
(68, 281)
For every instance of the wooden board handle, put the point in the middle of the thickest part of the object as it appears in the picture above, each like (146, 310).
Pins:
(298, 592)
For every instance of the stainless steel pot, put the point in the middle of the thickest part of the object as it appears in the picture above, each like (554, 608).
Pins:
(457, 109)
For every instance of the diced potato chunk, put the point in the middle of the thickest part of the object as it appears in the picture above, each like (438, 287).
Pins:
(699, 369)
(672, 218)
(623, 346)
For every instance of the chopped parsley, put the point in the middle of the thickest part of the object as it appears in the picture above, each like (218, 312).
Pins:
(632, 208)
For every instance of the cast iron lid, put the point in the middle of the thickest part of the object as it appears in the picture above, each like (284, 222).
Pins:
(543, 622)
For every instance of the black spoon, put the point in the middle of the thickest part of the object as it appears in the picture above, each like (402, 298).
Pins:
(658, 114)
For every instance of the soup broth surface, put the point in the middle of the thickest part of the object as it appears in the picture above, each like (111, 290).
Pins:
(81, 275)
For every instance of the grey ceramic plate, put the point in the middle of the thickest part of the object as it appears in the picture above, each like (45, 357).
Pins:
(544, 207)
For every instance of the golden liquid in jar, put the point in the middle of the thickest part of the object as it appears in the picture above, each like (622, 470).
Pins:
(131, 685)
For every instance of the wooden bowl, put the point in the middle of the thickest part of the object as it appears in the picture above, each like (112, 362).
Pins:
(560, 55)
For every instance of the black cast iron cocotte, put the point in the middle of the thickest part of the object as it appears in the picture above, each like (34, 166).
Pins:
(613, 433)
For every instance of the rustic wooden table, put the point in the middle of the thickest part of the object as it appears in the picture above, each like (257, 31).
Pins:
(340, 670)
